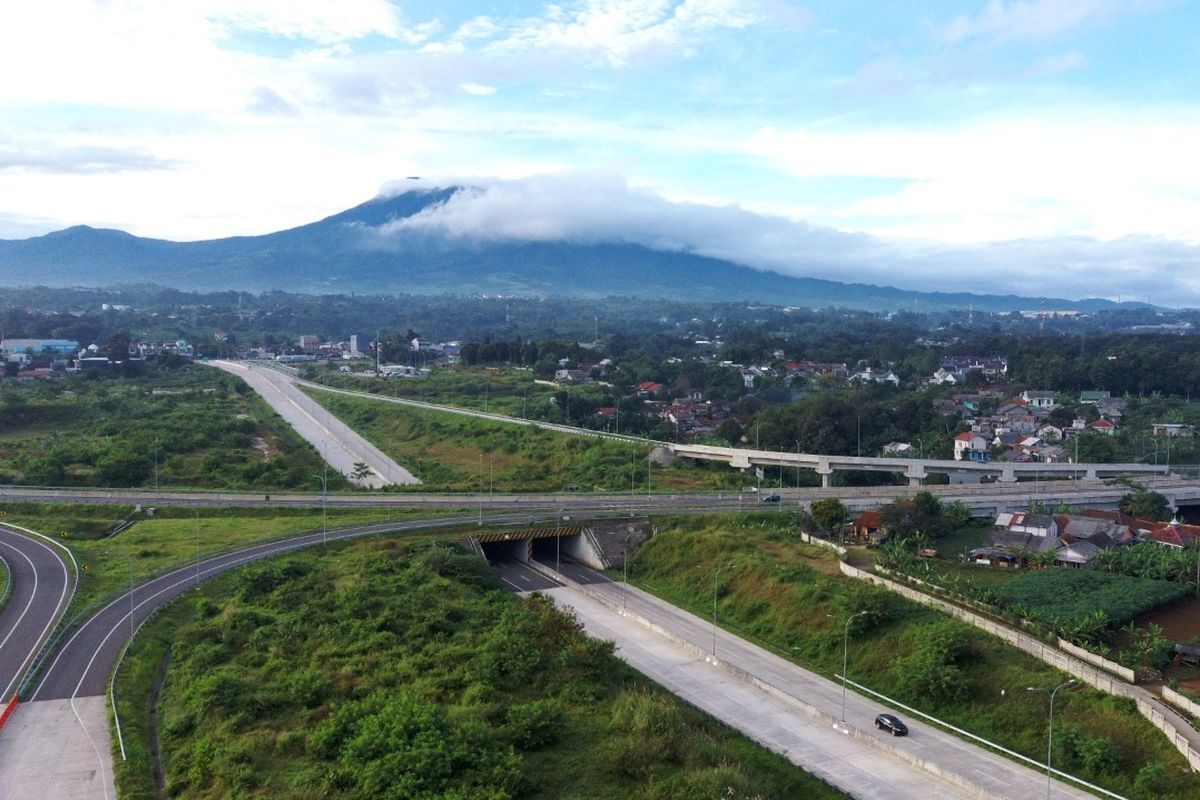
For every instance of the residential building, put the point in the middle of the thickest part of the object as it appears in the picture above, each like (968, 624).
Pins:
(1038, 399)
(1173, 429)
(969, 446)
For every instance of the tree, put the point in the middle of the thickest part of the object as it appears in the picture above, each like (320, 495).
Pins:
(360, 471)
(829, 513)
(1145, 504)
(117, 348)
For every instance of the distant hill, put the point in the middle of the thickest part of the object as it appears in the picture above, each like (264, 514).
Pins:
(343, 254)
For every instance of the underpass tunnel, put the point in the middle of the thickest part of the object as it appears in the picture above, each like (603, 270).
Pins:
(571, 546)
(507, 550)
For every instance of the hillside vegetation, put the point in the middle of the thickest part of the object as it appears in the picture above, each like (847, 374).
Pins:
(791, 597)
(400, 670)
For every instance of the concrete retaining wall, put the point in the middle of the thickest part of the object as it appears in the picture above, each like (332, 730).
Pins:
(1177, 730)
(1181, 701)
(1098, 660)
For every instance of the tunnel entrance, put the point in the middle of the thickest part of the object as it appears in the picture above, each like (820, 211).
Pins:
(522, 545)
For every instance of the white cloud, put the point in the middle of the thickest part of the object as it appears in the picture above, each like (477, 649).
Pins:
(613, 32)
(1100, 175)
(600, 207)
(477, 89)
(1006, 20)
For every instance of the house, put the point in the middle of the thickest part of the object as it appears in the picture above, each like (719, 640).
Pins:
(570, 376)
(970, 446)
(1038, 399)
(1016, 535)
(945, 376)
(1173, 429)
(648, 388)
(1051, 433)
(1172, 534)
(869, 375)
(990, 366)
(1092, 396)
(1107, 427)
(1112, 408)
(867, 526)
(898, 449)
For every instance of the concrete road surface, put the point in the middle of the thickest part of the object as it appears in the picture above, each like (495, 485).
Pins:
(57, 750)
(783, 719)
(341, 447)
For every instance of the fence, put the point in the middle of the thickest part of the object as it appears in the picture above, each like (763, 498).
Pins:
(1099, 661)
(1182, 702)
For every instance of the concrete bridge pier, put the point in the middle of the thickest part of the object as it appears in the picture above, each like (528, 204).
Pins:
(916, 475)
(740, 461)
(1007, 475)
(825, 471)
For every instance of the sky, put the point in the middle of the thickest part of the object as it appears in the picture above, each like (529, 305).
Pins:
(1042, 147)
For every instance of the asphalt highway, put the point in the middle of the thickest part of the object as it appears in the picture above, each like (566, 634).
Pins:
(1077, 493)
(42, 584)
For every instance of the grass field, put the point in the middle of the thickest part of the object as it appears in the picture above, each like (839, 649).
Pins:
(507, 390)
(185, 428)
(432, 683)
(456, 453)
(790, 597)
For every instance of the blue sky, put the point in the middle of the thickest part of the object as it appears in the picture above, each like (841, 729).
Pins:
(1037, 146)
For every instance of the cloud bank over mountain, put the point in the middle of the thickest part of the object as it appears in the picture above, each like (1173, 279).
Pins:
(597, 207)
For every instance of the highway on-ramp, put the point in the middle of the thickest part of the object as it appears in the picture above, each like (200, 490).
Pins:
(83, 665)
(42, 582)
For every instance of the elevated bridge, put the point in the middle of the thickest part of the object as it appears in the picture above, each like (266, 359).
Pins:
(915, 469)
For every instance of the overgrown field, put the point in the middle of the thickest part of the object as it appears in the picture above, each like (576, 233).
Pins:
(400, 670)
(208, 429)
(457, 453)
(791, 597)
(1064, 597)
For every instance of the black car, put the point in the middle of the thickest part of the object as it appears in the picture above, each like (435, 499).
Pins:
(891, 724)
(770, 498)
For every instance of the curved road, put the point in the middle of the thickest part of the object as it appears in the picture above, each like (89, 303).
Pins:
(84, 664)
(42, 585)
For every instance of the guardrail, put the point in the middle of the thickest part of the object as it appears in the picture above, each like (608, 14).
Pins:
(7, 589)
(9, 708)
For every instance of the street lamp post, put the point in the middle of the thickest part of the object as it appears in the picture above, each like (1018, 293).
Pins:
(625, 572)
(846, 659)
(324, 479)
(716, 585)
(197, 513)
(1050, 727)
(156, 466)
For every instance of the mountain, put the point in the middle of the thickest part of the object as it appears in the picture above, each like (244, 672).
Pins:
(344, 253)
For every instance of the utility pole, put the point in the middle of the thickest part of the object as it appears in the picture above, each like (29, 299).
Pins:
(1050, 727)
(716, 585)
(197, 512)
(324, 479)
